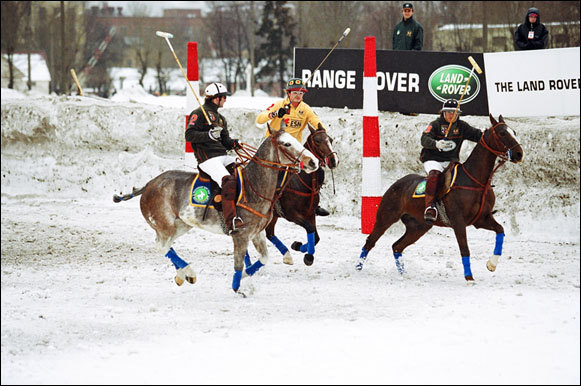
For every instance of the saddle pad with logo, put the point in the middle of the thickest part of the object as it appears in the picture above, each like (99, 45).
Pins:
(420, 190)
(201, 190)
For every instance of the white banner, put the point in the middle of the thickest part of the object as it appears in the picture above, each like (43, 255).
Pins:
(533, 83)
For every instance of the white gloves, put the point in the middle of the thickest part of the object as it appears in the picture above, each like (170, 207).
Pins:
(215, 132)
(444, 145)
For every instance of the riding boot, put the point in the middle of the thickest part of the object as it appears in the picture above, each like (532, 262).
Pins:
(321, 211)
(431, 213)
(233, 222)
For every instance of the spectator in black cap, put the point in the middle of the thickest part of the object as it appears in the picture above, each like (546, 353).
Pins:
(532, 34)
(408, 34)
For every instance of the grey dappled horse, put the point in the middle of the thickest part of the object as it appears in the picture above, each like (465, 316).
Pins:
(165, 205)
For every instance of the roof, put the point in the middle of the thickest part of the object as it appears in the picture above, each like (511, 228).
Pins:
(38, 68)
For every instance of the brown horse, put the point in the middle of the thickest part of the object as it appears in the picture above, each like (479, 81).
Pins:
(165, 204)
(300, 198)
(469, 202)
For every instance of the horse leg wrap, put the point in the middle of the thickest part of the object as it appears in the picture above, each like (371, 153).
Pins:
(254, 268)
(493, 261)
(466, 264)
(362, 258)
(175, 259)
(399, 263)
(236, 280)
(247, 261)
(310, 246)
(498, 244)
(278, 244)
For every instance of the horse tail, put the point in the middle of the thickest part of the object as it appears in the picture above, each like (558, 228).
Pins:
(128, 196)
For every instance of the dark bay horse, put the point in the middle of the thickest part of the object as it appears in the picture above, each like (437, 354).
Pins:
(300, 198)
(469, 202)
(165, 204)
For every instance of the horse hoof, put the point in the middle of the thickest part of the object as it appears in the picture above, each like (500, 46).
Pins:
(179, 280)
(490, 266)
(191, 279)
(288, 259)
(308, 259)
(469, 278)
(296, 246)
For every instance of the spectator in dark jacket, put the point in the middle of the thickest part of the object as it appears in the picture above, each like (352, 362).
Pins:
(532, 34)
(408, 34)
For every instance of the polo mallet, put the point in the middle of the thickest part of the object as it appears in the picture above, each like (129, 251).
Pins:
(345, 33)
(168, 36)
(479, 71)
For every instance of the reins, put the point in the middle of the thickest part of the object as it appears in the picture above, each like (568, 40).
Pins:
(247, 153)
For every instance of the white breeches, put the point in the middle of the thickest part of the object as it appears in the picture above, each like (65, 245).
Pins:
(435, 165)
(216, 167)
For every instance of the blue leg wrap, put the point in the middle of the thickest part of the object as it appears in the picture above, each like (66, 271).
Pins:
(364, 253)
(279, 245)
(236, 280)
(466, 264)
(175, 259)
(254, 267)
(247, 261)
(498, 245)
(310, 247)
(398, 263)
(362, 257)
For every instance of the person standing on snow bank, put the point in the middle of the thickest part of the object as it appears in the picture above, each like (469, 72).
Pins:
(532, 34)
(408, 34)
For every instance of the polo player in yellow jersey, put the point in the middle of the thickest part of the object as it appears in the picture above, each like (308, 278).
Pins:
(295, 113)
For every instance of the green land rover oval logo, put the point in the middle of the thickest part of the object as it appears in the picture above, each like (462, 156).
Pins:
(448, 82)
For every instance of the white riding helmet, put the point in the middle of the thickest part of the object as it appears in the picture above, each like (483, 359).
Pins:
(216, 90)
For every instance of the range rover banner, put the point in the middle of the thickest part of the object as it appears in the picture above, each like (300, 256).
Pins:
(407, 81)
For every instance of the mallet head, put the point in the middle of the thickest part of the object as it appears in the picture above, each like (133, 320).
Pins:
(474, 64)
(164, 34)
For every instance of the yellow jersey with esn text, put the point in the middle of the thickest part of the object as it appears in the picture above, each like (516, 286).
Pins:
(295, 121)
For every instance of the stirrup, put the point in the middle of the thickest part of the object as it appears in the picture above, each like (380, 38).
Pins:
(428, 214)
(234, 228)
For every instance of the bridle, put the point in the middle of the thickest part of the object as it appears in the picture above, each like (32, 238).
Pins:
(503, 154)
(247, 153)
(311, 145)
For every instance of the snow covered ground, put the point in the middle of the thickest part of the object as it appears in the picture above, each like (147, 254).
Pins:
(86, 299)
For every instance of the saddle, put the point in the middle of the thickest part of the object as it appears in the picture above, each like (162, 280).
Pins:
(445, 183)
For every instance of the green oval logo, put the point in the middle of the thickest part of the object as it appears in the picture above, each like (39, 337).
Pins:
(449, 81)
(201, 195)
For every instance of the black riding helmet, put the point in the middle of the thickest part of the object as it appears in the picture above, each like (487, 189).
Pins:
(451, 105)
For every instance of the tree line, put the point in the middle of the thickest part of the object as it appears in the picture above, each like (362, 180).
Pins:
(242, 34)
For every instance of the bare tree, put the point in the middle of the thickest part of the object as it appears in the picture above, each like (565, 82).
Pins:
(12, 16)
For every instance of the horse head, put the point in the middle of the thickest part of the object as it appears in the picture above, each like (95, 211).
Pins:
(293, 152)
(503, 141)
(321, 145)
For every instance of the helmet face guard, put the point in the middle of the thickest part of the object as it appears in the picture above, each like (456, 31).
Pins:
(296, 84)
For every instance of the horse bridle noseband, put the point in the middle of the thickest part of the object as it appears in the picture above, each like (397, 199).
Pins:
(502, 154)
(323, 158)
